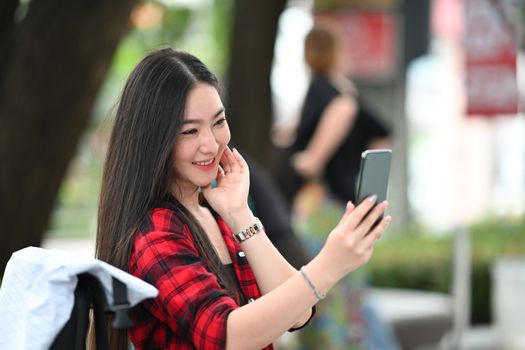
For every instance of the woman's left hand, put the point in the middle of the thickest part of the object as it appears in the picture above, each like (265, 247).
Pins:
(233, 183)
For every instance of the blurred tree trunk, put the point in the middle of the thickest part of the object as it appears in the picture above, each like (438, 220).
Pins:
(54, 56)
(249, 105)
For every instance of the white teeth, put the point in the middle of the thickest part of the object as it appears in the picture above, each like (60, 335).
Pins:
(205, 163)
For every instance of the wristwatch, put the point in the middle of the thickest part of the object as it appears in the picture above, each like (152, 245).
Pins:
(248, 232)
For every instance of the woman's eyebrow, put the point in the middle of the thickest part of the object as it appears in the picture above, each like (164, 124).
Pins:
(221, 111)
(217, 114)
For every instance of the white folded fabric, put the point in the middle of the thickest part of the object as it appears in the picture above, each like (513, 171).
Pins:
(37, 294)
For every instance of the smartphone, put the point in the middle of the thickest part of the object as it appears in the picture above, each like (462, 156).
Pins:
(373, 174)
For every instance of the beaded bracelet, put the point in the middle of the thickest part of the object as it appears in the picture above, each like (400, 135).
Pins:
(319, 296)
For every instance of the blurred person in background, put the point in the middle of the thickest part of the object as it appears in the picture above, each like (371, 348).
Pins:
(269, 205)
(319, 175)
(222, 283)
(335, 126)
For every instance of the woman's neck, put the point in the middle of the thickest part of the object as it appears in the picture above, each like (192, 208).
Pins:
(188, 197)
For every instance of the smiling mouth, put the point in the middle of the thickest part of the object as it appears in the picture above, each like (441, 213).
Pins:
(205, 163)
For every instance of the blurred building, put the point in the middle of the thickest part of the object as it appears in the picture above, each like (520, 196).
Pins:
(467, 141)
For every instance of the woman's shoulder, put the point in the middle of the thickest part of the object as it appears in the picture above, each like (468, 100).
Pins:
(323, 82)
(321, 88)
(163, 229)
(162, 218)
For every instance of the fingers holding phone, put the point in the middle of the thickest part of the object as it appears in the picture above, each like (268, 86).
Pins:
(374, 176)
(349, 244)
(373, 217)
(377, 229)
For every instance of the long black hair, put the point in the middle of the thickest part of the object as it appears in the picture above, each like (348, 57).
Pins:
(138, 171)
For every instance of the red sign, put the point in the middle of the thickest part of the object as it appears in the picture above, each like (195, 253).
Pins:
(370, 39)
(490, 61)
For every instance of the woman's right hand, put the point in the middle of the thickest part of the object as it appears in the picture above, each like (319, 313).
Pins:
(350, 244)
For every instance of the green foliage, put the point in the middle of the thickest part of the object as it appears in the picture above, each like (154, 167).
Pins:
(78, 196)
(222, 17)
(412, 262)
(170, 29)
(418, 261)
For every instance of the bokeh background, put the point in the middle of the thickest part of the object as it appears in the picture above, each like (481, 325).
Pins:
(446, 74)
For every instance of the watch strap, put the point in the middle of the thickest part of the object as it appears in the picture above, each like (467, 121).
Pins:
(249, 232)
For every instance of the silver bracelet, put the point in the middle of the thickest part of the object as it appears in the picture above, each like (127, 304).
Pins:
(319, 296)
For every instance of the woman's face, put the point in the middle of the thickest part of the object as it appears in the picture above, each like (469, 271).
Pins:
(203, 137)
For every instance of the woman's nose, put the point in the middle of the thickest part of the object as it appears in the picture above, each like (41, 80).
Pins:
(209, 142)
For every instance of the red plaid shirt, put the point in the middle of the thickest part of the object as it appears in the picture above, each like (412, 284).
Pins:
(191, 309)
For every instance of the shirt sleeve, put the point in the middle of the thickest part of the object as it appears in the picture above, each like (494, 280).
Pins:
(190, 301)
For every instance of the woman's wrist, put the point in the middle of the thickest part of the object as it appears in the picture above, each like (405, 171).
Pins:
(239, 219)
(321, 275)
(249, 232)
(318, 295)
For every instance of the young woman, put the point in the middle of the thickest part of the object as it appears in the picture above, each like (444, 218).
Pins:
(222, 284)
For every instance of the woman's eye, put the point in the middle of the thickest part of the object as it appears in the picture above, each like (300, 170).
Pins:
(221, 121)
(189, 132)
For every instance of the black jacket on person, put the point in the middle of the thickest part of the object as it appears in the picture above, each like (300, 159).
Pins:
(268, 203)
(342, 169)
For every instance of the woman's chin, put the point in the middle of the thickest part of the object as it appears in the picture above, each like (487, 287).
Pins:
(205, 181)
(204, 184)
